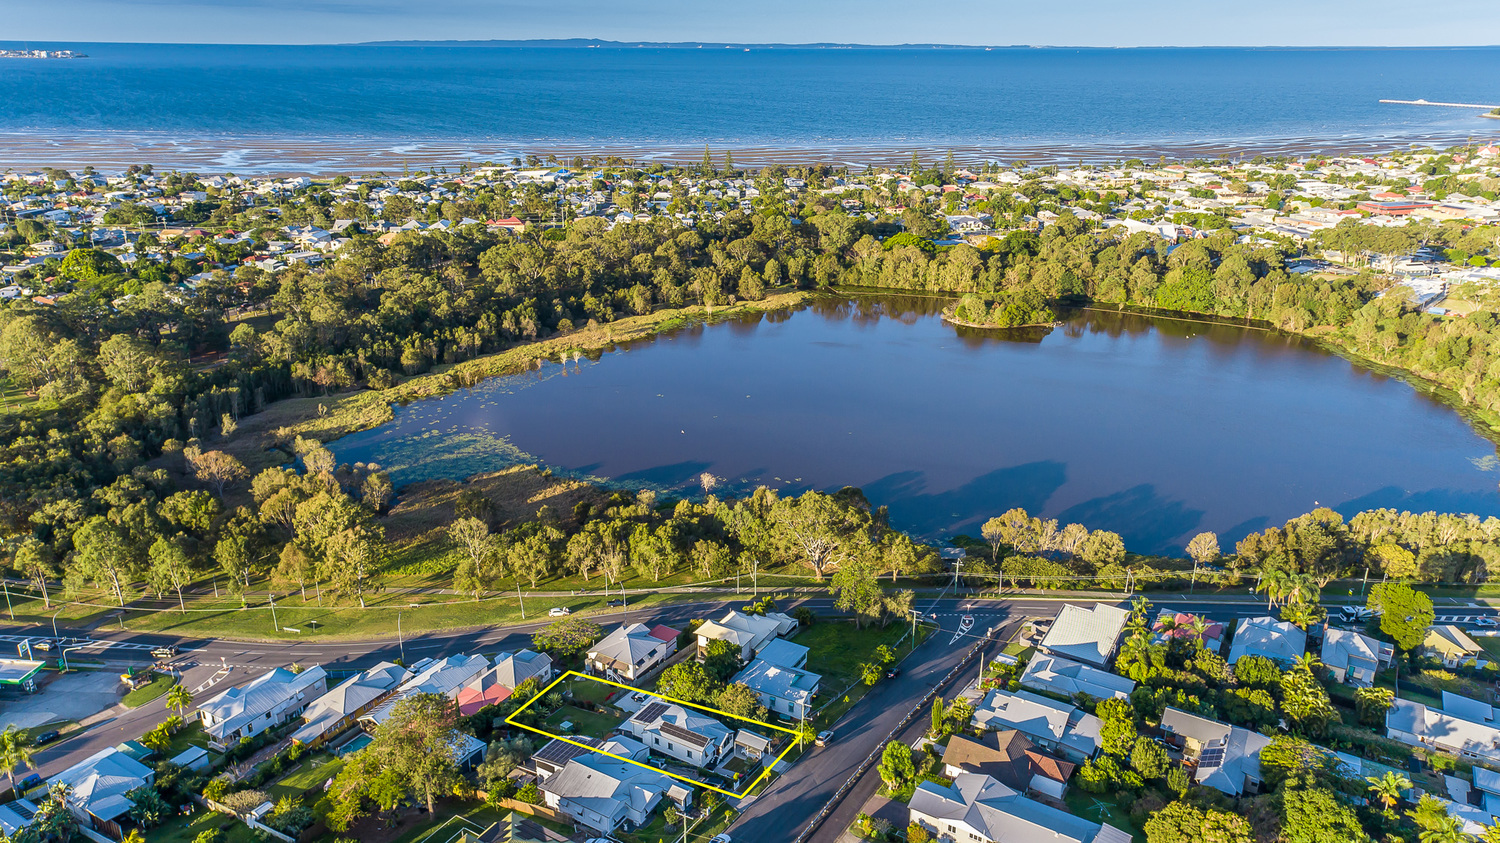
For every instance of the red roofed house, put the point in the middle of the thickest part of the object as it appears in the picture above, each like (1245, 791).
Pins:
(499, 682)
(510, 223)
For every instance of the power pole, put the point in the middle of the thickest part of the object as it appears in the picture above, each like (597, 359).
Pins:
(274, 625)
(520, 599)
(401, 639)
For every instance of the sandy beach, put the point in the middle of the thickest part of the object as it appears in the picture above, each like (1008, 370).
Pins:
(252, 154)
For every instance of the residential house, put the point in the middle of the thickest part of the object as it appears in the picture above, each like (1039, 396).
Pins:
(605, 793)
(630, 652)
(1418, 725)
(1056, 727)
(1354, 658)
(783, 653)
(1086, 635)
(496, 684)
(445, 676)
(1224, 757)
(265, 702)
(747, 632)
(97, 788)
(1451, 644)
(1010, 758)
(341, 707)
(787, 691)
(16, 815)
(682, 733)
(1278, 641)
(978, 809)
(1066, 678)
(556, 753)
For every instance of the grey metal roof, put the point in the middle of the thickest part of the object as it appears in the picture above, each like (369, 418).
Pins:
(1087, 635)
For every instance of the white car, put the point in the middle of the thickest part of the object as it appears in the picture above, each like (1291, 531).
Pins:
(559, 611)
(720, 838)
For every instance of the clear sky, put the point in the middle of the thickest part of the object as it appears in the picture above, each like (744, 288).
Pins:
(1073, 23)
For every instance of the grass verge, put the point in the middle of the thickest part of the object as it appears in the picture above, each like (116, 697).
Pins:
(159, 684)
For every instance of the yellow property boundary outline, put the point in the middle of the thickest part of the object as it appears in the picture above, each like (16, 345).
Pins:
(765, 770)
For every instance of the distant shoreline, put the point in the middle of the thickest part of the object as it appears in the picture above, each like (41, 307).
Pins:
(253, 154)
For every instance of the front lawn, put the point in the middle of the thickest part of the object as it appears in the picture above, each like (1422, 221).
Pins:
(159, 684)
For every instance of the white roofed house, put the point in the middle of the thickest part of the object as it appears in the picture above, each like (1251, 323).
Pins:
(788, 691)
(1056, 727)
(977, 808)
(1279, 641)
(748, 632)
(1354, 658)
(1086, 635)
(682, 733)
(630, 652)
(1067, 679)
(1449, 731)
(265, 702)
(97, 788)
(430, 676)
(1224, 757)
(605, 793)
(339, 708)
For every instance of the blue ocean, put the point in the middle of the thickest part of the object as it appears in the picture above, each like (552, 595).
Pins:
(1002, 103)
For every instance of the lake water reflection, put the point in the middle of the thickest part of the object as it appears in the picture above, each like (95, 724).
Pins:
(1153, 428)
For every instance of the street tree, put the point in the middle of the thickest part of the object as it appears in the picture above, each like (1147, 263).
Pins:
(896, 766)
(1405, 613)
(479, 554)
(567, 638)
(170, 568)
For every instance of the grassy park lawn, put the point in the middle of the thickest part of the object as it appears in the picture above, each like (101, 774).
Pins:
(590, 723)
(159, 685)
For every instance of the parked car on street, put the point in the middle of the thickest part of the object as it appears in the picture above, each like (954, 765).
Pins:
(824, 738)
(47, 737)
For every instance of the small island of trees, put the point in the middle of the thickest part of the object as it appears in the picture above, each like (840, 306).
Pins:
(1002, 310)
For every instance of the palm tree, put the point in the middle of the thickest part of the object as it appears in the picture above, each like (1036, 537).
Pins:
(1307, 661)
(1198, 626)
(1275, 584)
(134, 836)
(1445, 829)
(180, 698)
(1388, 788)
(16, 750)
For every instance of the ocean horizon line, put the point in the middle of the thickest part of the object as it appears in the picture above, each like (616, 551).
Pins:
(609, 43)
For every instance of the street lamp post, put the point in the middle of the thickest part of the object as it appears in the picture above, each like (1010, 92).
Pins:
(274, 625)
(400, 639)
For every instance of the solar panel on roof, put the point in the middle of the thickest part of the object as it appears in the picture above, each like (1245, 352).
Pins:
(675, 731)
(1212, 757)
(651, 712)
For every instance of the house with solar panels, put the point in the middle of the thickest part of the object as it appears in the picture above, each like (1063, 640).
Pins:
(681, 733)
(1223, 757)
